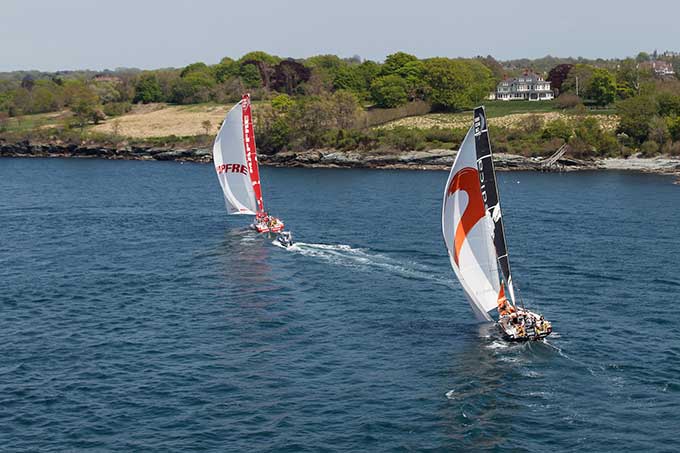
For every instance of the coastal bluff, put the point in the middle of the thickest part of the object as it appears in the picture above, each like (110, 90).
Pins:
(436, 159)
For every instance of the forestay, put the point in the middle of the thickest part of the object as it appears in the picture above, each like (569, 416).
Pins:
(235, 159)
(468, 230)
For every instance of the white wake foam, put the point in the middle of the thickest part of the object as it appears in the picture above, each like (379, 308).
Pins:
(346, 255)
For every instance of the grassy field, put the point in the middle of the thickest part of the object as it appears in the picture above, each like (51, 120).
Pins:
(511, 121)
(161, 120)
(27, 123)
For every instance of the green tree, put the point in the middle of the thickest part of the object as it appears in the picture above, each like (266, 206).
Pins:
(250, 76)
(494, 66)
(395, 62)
(669, 104)
(578, 79)
(389, 91)
(260, 56)
(85, 106)
(642, 56)
(634, 117)
(147, 89)
(350, 78)
(357, 78)
(194, 67)
(627, 78)
(194, 87)
(325, 68)
(225, 69)
(45, 97)
(456, 84)
(602, 87)
(369, 70)
(412, 72)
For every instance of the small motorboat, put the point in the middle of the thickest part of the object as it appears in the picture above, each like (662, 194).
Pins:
(285, 239)
(524, 325)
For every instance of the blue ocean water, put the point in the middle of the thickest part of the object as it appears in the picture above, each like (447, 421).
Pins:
(137, 316)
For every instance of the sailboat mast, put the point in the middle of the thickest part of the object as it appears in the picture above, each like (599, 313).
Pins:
(487, 179)
(251, 150)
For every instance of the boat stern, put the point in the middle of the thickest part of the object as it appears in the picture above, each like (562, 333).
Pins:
(524, 325)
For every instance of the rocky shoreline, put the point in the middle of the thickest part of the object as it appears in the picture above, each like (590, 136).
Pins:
(437, 159)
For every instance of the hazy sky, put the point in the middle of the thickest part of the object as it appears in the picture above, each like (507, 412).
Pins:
(92, 34)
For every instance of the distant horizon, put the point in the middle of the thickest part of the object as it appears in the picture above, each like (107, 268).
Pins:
(50, 36)
(501, 60)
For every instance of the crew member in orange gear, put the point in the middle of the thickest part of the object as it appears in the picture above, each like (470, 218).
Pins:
(504, 307)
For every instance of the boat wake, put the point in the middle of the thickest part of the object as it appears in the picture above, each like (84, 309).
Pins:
(346, 255)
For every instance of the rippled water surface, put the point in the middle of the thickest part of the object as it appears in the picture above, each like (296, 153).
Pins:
(136, 316)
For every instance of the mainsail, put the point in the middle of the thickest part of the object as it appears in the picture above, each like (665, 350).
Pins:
(487, 178)
(471, 222)
(235, 159)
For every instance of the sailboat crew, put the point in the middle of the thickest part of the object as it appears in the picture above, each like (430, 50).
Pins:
(505, 308)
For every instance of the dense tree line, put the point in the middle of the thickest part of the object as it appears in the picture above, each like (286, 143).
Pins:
(648, 105)
(450, 84)
(324, 100)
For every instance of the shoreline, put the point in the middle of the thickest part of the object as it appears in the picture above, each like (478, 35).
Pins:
(435, 159)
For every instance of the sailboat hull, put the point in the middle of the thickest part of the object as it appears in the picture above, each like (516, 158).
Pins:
(263, 227)
(524, 325)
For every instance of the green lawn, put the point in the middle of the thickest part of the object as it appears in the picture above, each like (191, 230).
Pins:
(502, 108)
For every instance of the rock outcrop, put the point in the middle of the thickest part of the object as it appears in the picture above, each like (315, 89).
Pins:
(435, 159)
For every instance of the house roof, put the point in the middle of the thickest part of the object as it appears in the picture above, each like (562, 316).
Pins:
(526, 78)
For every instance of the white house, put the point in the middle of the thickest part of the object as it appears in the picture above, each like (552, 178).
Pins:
(527, 87)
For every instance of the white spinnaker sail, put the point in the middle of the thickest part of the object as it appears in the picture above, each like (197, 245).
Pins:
(230, 159)
(468, 232)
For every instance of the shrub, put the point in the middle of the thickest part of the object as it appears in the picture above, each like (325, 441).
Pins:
(635, 115)
(649, 148)
(442, 135)
(116, 108)
(405, 139)
(675, 149)
(532, 124)
(557, 129)
(658, 130)
(673, 124)
(567, 101)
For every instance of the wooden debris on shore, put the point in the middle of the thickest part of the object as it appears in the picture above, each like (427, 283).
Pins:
(552, 163)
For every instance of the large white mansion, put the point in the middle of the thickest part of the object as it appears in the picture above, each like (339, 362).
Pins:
(527, 87)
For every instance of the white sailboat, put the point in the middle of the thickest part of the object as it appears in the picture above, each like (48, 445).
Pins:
(472, 225)
(235, 159)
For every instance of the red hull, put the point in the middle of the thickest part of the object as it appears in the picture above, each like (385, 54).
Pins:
(275, 227)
